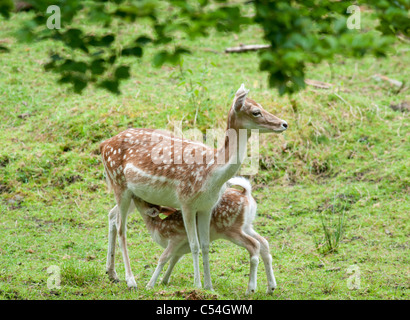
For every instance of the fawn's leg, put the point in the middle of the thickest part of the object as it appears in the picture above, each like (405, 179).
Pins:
(266, 257)
(172, 263)
(168, 254)
(244, 240)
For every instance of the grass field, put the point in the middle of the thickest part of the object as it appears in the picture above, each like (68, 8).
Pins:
(343, 164)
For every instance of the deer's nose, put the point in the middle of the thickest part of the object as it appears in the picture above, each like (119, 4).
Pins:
(284, 125)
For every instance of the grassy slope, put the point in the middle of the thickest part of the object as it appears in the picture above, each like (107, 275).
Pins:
(346, 152)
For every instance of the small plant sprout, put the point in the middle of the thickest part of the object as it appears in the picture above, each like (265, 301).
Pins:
(332, 226)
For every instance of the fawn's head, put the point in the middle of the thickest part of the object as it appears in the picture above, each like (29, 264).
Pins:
(248, 114)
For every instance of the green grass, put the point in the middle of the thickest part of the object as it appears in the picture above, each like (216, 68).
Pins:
(345, 154)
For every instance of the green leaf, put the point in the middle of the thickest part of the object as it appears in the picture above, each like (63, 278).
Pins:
(143, 40)
(112, 59)
(110, 85)
(122, 72)
(107, 40)
(6, 6)
(4, 49)
(132, 51)
(97, 67)
(159, 59)
(79, 84)
(70, 65)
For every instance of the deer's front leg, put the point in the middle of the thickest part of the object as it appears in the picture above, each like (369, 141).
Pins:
(204, 220)
(189, 216)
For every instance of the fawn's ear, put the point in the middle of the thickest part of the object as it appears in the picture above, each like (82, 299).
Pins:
(240, 97)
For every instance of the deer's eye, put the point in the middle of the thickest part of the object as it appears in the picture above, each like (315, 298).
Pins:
(256, 113)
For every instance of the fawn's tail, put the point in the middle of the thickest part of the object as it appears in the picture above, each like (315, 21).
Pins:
(250, 212)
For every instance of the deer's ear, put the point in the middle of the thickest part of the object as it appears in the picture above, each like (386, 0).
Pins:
(240, 97)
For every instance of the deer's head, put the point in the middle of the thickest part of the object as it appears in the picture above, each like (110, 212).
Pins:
(248, 114)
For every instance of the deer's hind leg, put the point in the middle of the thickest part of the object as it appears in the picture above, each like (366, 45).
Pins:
(112, 237)
(124, 202)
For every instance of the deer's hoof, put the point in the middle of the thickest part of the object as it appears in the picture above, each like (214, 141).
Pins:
(249, 292)
(131, 283)
(270, 290)
(198, 285)
(112, 275)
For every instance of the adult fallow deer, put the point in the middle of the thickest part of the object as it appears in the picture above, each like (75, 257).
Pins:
(166, 170)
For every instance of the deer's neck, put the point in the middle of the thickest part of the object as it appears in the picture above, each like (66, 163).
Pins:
(231, 155)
